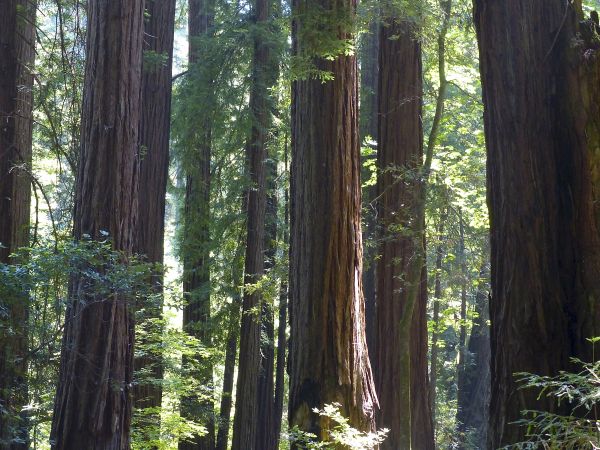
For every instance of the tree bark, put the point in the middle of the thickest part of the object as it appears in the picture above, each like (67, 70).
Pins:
(247, 413)
(93, 407)
(540, 77)
(329, 359)
(17, 46)
(154, 166)
(401, 375)
(197, 239)
(237, 279)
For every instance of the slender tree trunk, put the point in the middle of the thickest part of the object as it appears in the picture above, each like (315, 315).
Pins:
(329, 359)
(281, 335)
(401, 374)
(247, 411)
(368, 127)
(233, 330)
(17, 45)
(474, 389)
(462, 340)
(154, 165)
(540, 77)
(93, 407)
(197, 240)
(437, 295)
(265, 435)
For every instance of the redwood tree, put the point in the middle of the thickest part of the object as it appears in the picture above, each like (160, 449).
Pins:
(93, 406)
(328, 354)
(401, 333)
(154, 165)
(246, 435)
(17, 43)
(540, 71)
(196, 242)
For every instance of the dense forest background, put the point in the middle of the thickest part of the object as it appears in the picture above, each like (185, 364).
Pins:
(256, 224)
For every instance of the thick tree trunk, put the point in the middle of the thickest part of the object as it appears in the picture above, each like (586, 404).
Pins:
(540, 70)
(247, 414)
(17, 44)
(154, 165)
(93, 406)
(197, 241)
(328, 354)
(401, 375)
(474, 389)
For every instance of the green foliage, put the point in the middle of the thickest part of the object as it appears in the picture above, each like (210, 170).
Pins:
(580, 392)
(341, 436)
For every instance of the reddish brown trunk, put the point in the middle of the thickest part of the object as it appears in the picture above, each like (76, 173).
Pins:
(17, 42)
(247, 414)
(197, 241)
(93, 406)
(328, 354)
(154, 164)
(401, 375)
(541, 88)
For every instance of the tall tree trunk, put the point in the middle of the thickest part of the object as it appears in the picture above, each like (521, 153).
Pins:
(17, 44)
(369, 65)
(540, 75)
(93, 407)
(237, 278)
(474, 388)
(282, 330)
(154, 166)
(247, 413)
(265, 433)
(329, 359)
(197, 240)
(437, 296)
(462, 339)
(401, 375)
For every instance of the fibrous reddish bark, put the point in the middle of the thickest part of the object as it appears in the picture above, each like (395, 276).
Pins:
(17, 43)
(197, 240)
(540, 70)
(401, 375)
(154, 165)
(328, 353)
(247, 414)
(93, 407)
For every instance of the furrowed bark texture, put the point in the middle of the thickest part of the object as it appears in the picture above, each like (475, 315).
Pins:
(401, 375)
(474, 388)
(93, 407)
(328, 354)
(17, 44)
(265, 433)
(197, 239)
(247, 414)
(540, 70)
(154, 165)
